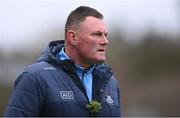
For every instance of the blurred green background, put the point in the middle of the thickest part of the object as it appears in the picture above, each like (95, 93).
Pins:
(145, 56)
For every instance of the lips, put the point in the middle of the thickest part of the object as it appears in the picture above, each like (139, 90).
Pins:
(101, 50)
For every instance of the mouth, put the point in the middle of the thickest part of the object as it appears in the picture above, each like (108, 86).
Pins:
(101, 50)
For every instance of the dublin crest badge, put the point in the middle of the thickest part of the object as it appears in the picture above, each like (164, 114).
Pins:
(109, 99)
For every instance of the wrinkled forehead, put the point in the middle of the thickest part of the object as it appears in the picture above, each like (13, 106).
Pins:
(93, 23)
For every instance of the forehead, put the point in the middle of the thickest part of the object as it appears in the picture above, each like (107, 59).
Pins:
(93, 23)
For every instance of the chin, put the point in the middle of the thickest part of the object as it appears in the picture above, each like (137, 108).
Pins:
(101, 59)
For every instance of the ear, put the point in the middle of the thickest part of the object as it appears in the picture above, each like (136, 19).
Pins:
(71, 37)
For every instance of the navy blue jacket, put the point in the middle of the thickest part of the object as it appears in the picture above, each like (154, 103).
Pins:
(50, 87)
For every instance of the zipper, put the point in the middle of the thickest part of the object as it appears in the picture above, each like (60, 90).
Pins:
(84, 87)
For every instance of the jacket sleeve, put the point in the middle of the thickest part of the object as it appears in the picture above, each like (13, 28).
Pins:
(26, 97)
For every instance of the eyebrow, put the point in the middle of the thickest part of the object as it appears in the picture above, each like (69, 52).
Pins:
(99, 32)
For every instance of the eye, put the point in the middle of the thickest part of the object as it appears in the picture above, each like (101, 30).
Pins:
(105, 34)
(98, 34)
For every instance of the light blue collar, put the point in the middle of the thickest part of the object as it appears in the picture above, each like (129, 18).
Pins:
(62, 55)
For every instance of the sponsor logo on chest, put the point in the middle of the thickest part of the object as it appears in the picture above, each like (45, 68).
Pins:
(67, 95)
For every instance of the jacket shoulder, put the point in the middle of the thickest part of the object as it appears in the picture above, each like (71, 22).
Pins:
(38, 67)
(28, 93)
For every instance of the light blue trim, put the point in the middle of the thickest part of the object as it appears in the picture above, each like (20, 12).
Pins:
(62, 55)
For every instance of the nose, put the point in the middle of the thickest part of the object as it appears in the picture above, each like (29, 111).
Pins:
(104, 41)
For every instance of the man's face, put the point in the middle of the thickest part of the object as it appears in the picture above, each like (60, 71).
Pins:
(92, 40)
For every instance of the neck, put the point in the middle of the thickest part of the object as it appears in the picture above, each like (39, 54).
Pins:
(71, 52)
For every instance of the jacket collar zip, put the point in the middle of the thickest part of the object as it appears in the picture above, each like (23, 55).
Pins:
(82, 72)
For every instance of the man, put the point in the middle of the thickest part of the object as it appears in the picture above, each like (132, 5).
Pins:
(70, 78)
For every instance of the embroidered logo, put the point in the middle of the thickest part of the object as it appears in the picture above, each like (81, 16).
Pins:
(109, 99)
(49, 68)
(67, 95)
